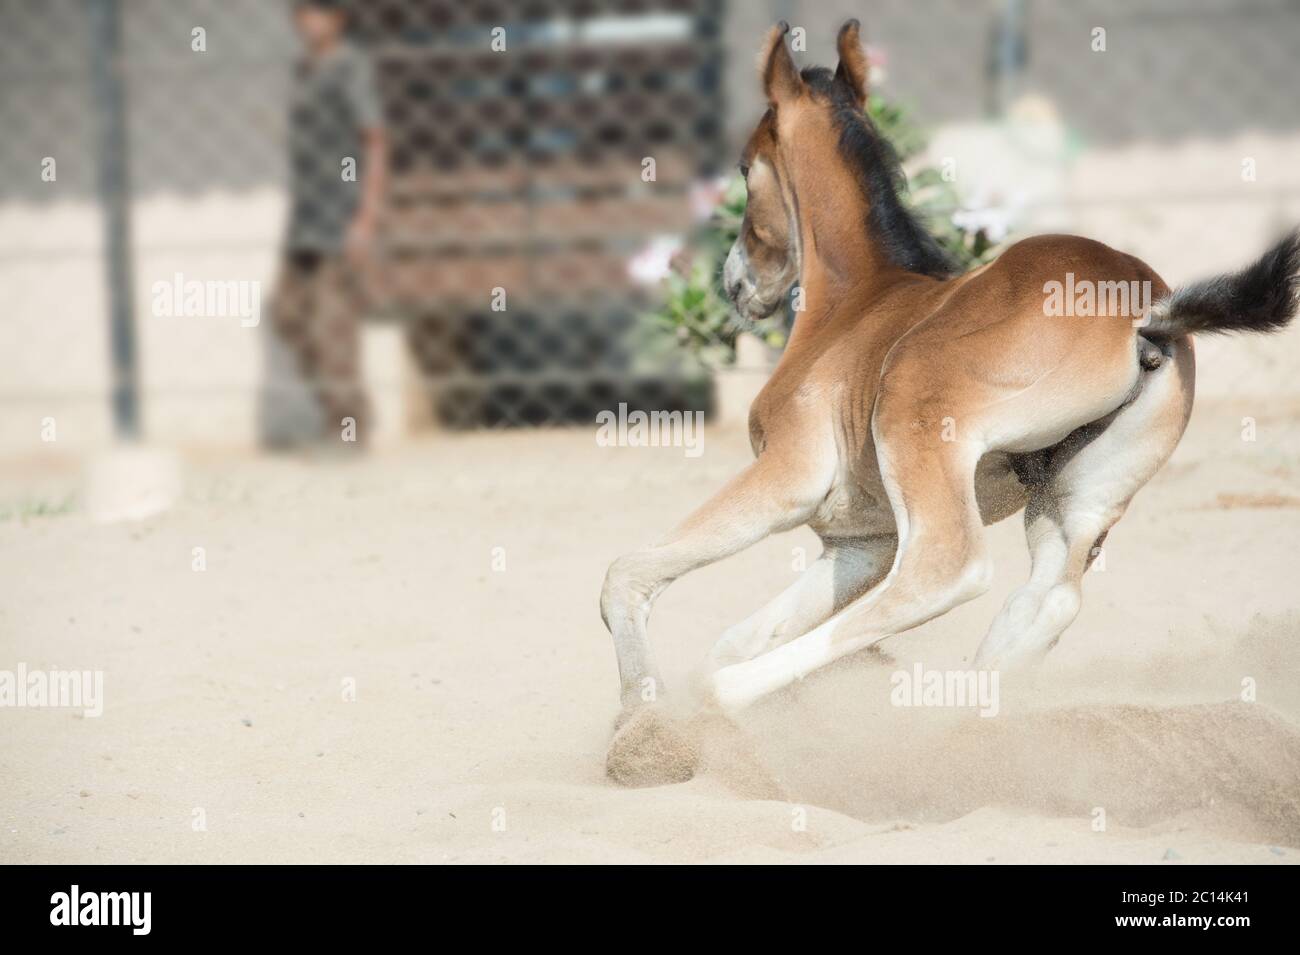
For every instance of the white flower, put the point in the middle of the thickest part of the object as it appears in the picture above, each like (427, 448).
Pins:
(652, 264)
(991, 214)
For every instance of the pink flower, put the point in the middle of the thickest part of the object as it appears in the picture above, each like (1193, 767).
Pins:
(705, 196)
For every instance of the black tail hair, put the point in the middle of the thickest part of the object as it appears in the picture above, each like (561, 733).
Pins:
(1262, 297)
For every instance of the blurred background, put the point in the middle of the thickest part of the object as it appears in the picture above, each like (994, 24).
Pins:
(553, 170)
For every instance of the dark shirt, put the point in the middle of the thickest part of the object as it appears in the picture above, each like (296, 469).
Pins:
(333, 100)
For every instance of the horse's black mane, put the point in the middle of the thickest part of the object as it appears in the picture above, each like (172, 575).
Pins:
(903, 236)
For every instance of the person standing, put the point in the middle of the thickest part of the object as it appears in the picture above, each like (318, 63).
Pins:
(338, 167)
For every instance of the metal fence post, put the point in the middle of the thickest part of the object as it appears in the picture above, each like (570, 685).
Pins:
(114, 190)
(1008, 55)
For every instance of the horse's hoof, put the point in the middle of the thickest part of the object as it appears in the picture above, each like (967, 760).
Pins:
(650, 748)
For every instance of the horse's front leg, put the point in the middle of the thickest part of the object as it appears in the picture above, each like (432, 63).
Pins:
(775, 493)
(772, 494)
(847, 568)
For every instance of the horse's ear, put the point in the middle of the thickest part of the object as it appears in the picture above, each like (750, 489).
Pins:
(781, 80)
(852, 71)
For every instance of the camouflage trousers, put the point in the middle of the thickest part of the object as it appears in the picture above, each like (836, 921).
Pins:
(317, 314)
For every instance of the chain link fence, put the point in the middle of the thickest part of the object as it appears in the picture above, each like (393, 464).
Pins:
(150, 143)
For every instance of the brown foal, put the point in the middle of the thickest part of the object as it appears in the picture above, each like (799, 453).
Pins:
(913, 405)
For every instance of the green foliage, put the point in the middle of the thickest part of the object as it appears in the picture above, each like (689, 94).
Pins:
(936, 199)
(29, 507)
(893, 123)
(696, 316)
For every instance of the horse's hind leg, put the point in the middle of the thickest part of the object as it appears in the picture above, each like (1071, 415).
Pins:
(1086, 488)
(939, 563)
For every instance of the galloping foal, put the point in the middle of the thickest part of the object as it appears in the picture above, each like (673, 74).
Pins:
(913, 405)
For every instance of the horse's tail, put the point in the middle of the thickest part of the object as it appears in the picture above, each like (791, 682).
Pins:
(1262, 297)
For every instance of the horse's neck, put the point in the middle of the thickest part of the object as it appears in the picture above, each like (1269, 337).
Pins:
(839, 295)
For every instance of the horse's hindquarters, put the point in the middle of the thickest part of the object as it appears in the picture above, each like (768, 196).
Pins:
(1078, 490)
(1128, 446)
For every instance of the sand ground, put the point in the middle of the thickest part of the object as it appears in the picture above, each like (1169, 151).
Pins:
(485, 692)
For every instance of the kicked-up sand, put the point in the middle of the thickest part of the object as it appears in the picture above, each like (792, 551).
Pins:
(401, 659)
